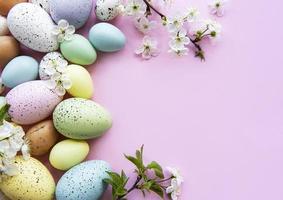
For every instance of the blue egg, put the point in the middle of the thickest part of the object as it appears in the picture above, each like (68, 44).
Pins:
(106, 37)
(84, 181)
(19, 70)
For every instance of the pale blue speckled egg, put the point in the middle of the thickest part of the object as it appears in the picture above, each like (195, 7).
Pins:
(19, 70)
(76, 12)
(84, 181)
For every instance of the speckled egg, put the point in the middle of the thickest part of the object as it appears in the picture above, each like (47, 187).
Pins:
(42, 137)
(68, 153)
(12, 49)
(50, 60)
(76, 12)
(33, 182)
(6, 5)
(107, 10)
(20, 70)
(32, 26)
(42, 3)
(79, 118)
(3, 26)
(84, 181)
(31, 102)
(82, 85)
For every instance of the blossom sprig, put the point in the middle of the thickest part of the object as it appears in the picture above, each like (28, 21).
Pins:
(149, 178)
(63, 31)
(12, 141)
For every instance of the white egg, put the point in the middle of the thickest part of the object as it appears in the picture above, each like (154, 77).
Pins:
(32, 26)
(107, 10)
(3, 26)
(42, 3)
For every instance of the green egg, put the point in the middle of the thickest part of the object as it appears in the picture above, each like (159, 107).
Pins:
(81, 119)
(78, 50)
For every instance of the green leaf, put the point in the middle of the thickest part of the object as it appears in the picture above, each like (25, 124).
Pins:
(138, 160)
(4, 113)
(157, 189)
(118, 183)
(156, 168)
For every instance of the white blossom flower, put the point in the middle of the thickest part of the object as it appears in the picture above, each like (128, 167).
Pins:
(59, 83)
(6, 130)
(192, 14)
(214, 28)
(217, 7)
(26, 149)
(144, 25)
(63, 31)
(148, 48)
(135, 7)
(174, 189)
(175, 23)
(176, 174)
(179, 38)
(179, 51)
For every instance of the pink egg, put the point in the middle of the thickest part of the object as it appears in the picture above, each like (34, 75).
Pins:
(31, 102)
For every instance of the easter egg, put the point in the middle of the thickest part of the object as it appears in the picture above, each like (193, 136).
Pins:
(33, 182)
(84, 181)
(107, 10)
(19, 70)
(78, 50)
(42, 3)
(3, 26)
(6, 5)
(81, 82)
(32, 26)
(68, 153)
(31, 102)
(79, 118)
(106, 37)
(76, 12)
(50, 60)
(12, 49)
(42, 137)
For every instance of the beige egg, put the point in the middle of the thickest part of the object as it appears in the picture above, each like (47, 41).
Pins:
(42, 137)
(6, 5)
(9, 49)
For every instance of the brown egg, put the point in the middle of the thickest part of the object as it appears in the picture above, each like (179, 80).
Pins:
(42, 137)
(9, 49)
(6, 5)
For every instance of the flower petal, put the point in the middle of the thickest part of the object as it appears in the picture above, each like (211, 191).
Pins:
(63, 24)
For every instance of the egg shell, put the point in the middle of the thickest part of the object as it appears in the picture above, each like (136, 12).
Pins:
(76, 12)
(20, 70)
(32, 26)
(6, 5)
(42, 3)
(106, 38)
(107, 10)
(84, 181)
(31, 102)
(33, 182)
(82, 85)
(12, 49)
(68, 153)
(3, 26)
(78, 50)
(79, 118)
(42, 137)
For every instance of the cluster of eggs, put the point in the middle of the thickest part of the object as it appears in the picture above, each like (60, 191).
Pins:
(47, 114)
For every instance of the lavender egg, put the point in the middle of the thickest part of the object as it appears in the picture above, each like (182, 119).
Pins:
(76, 12)
(31, 102)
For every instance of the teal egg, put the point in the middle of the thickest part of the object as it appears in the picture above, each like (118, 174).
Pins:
(78, 50)
(20, 70)
(81, 119)
(106, 37)
(84, 181)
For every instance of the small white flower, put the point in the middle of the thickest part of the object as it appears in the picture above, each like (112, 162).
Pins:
(121, 9)
(179, 38)
(63, 31)
(217, 7)
(192, 14)
(26, 150)
(9, 167)
(175, 23)
(214, 28)
(148, 48)
(59, 83)
(135, 7)
(179, 51)
(174, 189)
(176, 174)
(144, 25)
(6, 130)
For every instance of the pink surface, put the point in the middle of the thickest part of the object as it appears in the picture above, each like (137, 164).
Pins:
(219, 121)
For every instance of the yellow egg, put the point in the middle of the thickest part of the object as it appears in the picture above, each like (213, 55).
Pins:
(81, 82)
(33, 182)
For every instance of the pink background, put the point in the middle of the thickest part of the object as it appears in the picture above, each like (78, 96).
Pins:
(219, 121)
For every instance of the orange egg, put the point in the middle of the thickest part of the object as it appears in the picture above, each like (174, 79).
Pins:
(10, 48)
(6, 5)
